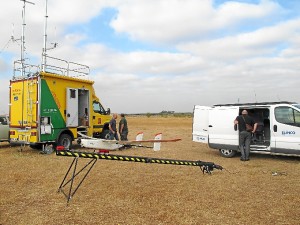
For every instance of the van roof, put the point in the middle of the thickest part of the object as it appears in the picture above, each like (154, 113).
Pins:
(257, 103)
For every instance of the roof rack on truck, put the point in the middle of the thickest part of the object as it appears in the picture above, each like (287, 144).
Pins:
(56, 66)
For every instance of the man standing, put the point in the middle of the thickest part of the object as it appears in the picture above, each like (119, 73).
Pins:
(123, 128)
(245, 134)
(113, 134)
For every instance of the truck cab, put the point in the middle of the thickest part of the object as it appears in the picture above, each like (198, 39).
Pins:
(100, 130)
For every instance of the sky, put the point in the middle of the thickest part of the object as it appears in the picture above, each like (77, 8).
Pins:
(150, 56)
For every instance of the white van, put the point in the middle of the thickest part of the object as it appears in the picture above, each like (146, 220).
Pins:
(278, 130)
(4, 128)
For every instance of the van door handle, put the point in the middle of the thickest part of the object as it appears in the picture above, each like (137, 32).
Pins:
(68, 115)
(204, 130)
(275, 128)
(210, 126)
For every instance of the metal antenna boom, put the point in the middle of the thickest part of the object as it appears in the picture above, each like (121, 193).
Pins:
(44, 53)
(23, 35)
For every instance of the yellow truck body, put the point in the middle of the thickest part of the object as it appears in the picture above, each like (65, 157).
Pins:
(50, 108)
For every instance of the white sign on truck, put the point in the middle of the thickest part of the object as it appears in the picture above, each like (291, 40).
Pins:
(278, 130)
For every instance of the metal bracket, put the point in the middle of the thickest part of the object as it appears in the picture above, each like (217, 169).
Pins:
(72, 190)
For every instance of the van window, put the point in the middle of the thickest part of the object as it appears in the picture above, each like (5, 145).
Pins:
(287, 115)
(297, 105)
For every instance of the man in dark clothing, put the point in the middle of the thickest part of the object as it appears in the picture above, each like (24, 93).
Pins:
(244, 135)
(113, 134)
(123, 128)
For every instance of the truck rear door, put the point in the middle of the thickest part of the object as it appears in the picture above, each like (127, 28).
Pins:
(221, 127)
(23, 99)
(200, 124)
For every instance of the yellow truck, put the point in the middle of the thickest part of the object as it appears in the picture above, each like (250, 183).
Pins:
(48, 108)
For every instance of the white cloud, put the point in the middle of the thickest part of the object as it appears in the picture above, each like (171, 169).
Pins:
(219, 55)
(164, 21)
(266, 41)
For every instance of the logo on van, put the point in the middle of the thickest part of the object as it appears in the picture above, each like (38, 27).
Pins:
(201, 138)
(288, 132)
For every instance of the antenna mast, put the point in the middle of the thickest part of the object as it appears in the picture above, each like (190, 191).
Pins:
(23, 36)
(44, 54)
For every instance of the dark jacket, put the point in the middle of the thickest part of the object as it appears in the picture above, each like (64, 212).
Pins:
(243, 119)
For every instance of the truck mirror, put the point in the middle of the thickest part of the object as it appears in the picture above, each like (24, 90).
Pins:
(235, 127)
(108, 111)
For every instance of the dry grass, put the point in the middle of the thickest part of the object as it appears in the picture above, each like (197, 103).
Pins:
(136, 193)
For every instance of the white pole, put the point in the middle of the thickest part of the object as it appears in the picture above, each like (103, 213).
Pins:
(23, 39)
(44, 54)
(23, 36)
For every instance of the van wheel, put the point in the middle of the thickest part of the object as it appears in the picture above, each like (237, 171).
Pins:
(228, 153)
(65, 140)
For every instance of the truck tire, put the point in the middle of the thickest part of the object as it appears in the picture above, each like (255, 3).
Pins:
(227, 153)
(65, 140)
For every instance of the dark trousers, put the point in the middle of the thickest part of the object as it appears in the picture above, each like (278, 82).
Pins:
(244, 142)
(123, 136)
(113, 136)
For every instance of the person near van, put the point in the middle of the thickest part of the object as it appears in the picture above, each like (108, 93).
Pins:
(123, 128)
(113, 134)
(245, 134)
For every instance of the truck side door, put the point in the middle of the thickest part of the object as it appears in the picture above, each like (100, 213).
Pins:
(286, 130)
(72, 107)
(221, 128)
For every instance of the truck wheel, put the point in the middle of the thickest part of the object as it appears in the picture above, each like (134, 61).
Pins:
(65, 140)
(227, 153)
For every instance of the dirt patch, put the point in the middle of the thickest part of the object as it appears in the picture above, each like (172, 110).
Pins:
(264, 190)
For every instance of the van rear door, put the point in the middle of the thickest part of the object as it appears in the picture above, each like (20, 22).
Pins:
(221, 128)
(200, 124)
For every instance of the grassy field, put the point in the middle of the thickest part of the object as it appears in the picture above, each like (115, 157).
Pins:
(136, 193)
